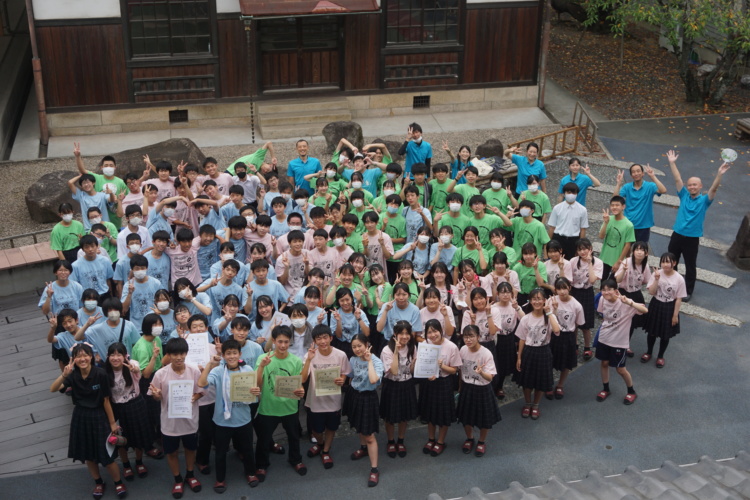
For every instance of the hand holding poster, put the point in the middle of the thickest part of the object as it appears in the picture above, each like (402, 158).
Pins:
(198, 354)
(325, 381)
(427, 361)
(239, 390)
(285, 386)
(181, 399)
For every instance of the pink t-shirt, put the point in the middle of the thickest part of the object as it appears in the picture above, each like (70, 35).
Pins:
(325, 261)
(133, 199)
(324, 404)
(404, 363)
(342, 256)
(374, 252)
(553, 271)
(570, 314)
(122, 393)
(670, 287)
(176, 426)
(282, 244)
(426, 315)
(166, 188)
(470, 360)
(185, 264)
(185, 213)
(490, 282)
(309, 242)
(615, 329)
(534, 331)
(581, 274)
(296, 277)
(634, 278)
(449, 355)
(223, 182)
(252, 237)
(482, 322)
(505, 318)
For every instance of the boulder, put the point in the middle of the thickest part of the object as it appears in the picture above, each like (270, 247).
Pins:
(172, 150)
(493, 147)
(334, 131)
(745, 82)
(739, 252)
(44, 197)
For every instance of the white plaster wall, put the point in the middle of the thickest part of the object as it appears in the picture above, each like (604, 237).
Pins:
(75, 9)
(227, 6)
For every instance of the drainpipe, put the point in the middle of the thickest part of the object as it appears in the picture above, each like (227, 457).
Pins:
(36, 65)
(545, 52)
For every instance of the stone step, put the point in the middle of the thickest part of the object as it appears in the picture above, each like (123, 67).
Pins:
(301, 105)
(323, 117)
(276, 132)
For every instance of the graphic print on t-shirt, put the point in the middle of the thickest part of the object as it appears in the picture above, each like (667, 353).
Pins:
(537, 335)
(614, 237)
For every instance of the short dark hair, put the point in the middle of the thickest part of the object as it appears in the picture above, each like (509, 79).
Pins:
(176, 345)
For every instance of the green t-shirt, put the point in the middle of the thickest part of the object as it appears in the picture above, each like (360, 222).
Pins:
(533, 232)
(270, 404)
(497, 199)
(66, 238)
(355, 240)
(541, 202)
(458, 224)
(121, 188)
(527, 277)
(256, 159)
(413, 293)
(354, 288)
(143, 349)
(619, 232)
(438, 195)
(360, 226)
(108, 245)
(464, 253)
(512, 256)
(373, 290)
(380, 204)
(320, 201)
(335, 186)
(396, 228)
(467, 192)
(368, 196)
(485, 225)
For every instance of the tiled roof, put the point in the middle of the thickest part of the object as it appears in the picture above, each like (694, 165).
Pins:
(706, 480)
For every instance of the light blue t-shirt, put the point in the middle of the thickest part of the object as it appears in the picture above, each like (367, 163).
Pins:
(414, 222)
(157, 222)
(582, 181)
(228, 211)
(170, 325)
(102, 335)
(201, 297)
(159, 268)
(421, 258)
(360, 373)
(409, 314)
(240, 250)
(270, 276)
(122, 269)
(691, 214)
(241, 276)
(99, 200)
(273, 289)
(370, 178)
(240, 412)
(264, 329)
(83, 316)
(349, 325)
(93, 273)
(446, 256)
(416, 153)
(267, 199)
(299, 169)
(214, 219)
(142, 299)
(207, 256)
(250, 352)
(226, 333)
(65, 340)
(639, 203)
(525, 170)
(219, 292)
(278, 228)
(63, 297)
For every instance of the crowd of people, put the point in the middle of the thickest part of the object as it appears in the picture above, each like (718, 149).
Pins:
(339, 273)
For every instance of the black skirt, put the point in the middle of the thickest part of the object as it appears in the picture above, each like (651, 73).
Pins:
(89, 429)
(563, 349)
(506, 355)
(134, 420)
(477, 406)
(398, 401)
(659, 320)
(362, 410)
(436, 402)
(60, 355)
(639, 320)
(536, 368)
(586, 297)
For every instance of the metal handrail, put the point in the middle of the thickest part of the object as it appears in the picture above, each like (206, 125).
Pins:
(24, 235)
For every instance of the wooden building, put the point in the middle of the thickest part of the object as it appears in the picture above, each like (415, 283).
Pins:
(123, 65)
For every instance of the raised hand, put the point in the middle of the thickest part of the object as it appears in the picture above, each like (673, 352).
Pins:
(267, 360)
(50, 290)
(68, 369)
(321, 317)
(155, 351)
(367, 355)
(672, 156)
(77, 149)
(723, 168)
(93, 319)
(311, 351)
(620, 176)
(605, 215)
(649, 171)
(155, 391)
(586, 169)
(388, 306)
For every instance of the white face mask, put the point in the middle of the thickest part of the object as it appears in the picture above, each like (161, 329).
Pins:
(496, 185)
(570, 197)
(357, 203)
(418, 141)
(388, 192)
(184, 293)
(302, 203)
(250, 219)
(343, 158)
(338, 242)
(534, 188)
(139, 275)
(156, 330)
(134, 248)
(525, 212)
(330, 174)
(226, 256)
(295, 228)
(67, 217)
(168, 212)
(423, 239)
(95, 220)
(162, 305)
(446, 238)
(298, 322)
(390, 176)
(108, 171)
(454, 207)
(356, 185)
(286, 196)
(90, 305)
(113, 315)
(135, 221)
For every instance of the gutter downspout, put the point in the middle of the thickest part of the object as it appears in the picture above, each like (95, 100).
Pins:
(545, 52)
(36, 65)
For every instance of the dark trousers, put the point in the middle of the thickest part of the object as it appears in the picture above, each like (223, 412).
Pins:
(687, 247)
(606, 271)
(243, 442)
(265, 425)
(206, 429)
(643, 234)
(392, 269)
(568, 244)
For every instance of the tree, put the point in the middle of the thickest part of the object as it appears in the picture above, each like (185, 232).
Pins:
(723, 25)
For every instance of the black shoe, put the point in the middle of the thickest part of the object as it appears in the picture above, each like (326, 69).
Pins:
(687, 299)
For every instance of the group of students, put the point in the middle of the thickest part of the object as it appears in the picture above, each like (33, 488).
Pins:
(285, 278)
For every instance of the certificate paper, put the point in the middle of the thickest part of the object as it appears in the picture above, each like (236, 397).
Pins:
(427, 361)
(284, 387)
(325, 384)
(197, 349)
(240, 385)
(180, 399)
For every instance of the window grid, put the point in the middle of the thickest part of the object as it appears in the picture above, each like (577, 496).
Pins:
(161, 28)
(421, 21)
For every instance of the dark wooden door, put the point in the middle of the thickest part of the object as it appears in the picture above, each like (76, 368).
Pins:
(300, 53)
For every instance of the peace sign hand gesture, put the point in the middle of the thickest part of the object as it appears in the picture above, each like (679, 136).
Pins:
(68, 369)
(267, 360)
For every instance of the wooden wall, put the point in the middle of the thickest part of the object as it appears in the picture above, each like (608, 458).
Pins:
(173, 83)
(502, 44)
(362, 52)
(233, 60)
(420, 70)
(83, 65)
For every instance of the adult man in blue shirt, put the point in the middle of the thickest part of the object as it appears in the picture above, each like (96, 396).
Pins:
(688, 228)
(302, 166)
(639, 196)
(416, 150)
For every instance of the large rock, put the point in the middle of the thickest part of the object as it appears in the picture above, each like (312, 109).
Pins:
(172, 150)
(739, 252)
(334, 131)
(493, 147)
(44, 197)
